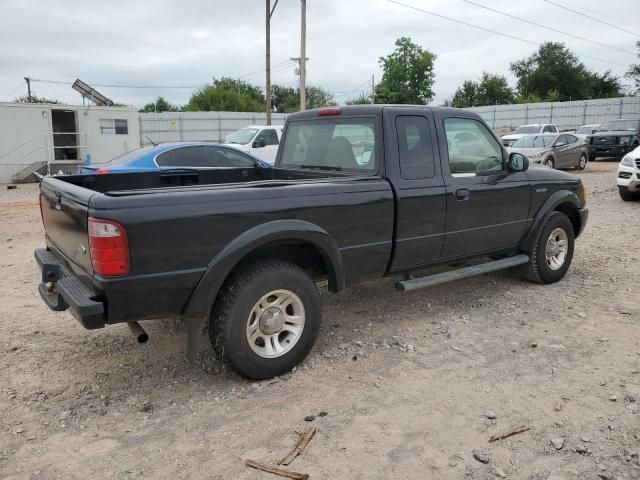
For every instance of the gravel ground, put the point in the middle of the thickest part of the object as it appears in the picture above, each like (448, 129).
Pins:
(413, 385)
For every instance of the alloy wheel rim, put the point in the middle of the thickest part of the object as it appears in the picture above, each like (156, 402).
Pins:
(275, 323)
(583, 161)
(557, 249)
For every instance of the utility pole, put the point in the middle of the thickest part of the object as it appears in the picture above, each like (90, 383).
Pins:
(268, 14)
(28, 87)
(373, 90)
(303, 54)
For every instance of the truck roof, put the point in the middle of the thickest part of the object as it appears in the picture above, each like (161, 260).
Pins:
(372, 109)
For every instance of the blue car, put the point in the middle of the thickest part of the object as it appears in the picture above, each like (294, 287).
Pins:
(174, 156)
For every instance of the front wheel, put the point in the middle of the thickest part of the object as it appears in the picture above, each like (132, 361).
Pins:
(582, 161)
(553, 251)
(266, 319)
(549, 162)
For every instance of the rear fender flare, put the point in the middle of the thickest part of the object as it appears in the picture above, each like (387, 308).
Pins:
(205, 293)
(562, 196)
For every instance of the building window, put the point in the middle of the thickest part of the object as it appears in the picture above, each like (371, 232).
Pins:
(110, 126)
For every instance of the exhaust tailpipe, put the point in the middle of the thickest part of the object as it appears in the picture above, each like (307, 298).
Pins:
(138, 332)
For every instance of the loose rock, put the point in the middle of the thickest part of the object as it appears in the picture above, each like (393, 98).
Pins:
(558, 443)
(481, 457)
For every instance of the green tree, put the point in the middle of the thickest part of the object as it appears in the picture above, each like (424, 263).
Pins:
(407, 76)
(633, 73)
(362, 99)
(36, 99)
(160, 105)
(555, 73)
(491, 89)
(284, 99)
(319, 97)
(227, 94)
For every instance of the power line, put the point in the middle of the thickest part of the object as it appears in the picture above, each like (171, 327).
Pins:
(493, 31)
(592, 18)
(548, 28)
(10, 94)
(594, 11)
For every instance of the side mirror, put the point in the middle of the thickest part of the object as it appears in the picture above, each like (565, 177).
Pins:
(258, 143)
(517, 162)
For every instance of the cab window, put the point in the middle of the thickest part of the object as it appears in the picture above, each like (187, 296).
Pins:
(414, 147)
(471, 147)
(269, 136)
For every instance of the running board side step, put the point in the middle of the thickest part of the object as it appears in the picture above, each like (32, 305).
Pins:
(466, 272)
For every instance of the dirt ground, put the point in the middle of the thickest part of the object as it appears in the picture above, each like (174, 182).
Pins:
(413, 384)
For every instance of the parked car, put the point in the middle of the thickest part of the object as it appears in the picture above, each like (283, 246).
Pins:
(629, 176)
(258, 140)
(176, 155)
(556, 151)
(585, 130)
(614, 139)
(538, 128)
(242, 249)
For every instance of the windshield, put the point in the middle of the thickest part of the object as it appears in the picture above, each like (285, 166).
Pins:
(341, 144)
(242, 136)
(588, 129)
(631, 125)
(534, 141)
(528, 129)
(127, 158)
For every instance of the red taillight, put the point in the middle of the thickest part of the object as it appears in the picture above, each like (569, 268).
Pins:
(108, 247)
(329, 111)
(101, 171)
(41, 211)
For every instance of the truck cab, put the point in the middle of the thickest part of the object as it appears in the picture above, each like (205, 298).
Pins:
(258, 140)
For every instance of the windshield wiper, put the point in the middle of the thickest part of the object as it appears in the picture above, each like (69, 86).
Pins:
(320, 167)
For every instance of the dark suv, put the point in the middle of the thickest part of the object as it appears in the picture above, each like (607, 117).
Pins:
(614, 138)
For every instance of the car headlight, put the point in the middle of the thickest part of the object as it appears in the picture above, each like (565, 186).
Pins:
(627, 161)
(624, 140)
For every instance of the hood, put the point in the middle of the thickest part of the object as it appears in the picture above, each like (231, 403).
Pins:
(537, 172)
(617, 133)
(512, 136)
(530, 151)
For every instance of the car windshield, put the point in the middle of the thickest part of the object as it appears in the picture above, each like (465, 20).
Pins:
(631, 125)
(534, 141)
(528, 129)
(331, 144)
(127, 158)
(585, 129)
(242, 136)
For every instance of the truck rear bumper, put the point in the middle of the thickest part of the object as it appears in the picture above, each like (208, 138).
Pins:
(61, 290)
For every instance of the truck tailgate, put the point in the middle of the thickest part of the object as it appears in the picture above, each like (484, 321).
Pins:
(64, 213)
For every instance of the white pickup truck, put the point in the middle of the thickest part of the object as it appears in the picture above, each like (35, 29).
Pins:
(258, 140)
(508, 140)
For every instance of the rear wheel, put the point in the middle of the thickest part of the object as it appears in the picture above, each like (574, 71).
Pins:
(549, 162)
(553, 251)
(582, 161)
(266, 319)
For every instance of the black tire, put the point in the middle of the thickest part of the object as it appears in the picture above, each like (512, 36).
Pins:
(582, 162)
(628, 196)
(592, 158)
(550, 162)
(230, 316)
(538, 270)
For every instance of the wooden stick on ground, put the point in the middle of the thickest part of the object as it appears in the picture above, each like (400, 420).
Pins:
(305, 438)
(276, 471)
(515, 431)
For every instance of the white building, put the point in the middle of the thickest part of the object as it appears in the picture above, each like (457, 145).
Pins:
(59, 137)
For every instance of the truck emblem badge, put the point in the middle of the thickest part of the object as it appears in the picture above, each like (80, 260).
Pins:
(541, 190)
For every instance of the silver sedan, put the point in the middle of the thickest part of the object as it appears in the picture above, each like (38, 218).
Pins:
(562, 150)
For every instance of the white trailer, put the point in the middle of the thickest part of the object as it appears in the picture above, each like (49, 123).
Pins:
(48, 137)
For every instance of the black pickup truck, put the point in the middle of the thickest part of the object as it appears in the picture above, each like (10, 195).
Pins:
(357, 193)
(614, 139)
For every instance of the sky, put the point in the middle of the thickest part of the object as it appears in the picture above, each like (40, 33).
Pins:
(186, 43)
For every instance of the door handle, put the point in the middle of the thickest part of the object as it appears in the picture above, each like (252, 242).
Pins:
(462, 194)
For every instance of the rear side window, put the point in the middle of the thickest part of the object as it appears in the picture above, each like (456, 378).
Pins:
(344, 143)
(229, 157)
(194, 156)
(571, 138)
(549, 128)
(269, 136)
(414, 147)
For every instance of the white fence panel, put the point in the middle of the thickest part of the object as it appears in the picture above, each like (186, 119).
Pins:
(198, 126)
